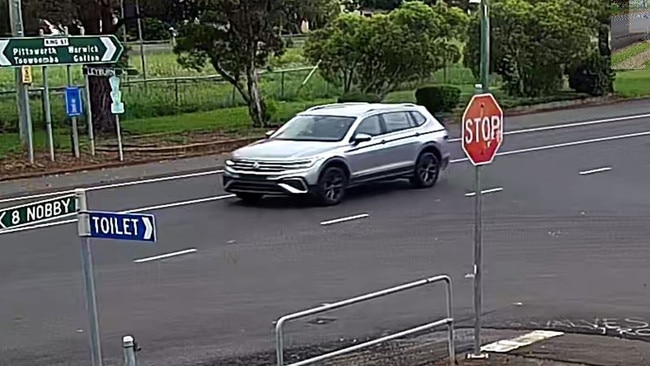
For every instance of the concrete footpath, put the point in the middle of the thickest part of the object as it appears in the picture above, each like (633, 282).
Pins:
(559, 350)
(503, 347)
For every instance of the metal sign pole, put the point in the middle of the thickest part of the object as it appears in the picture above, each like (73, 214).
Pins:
(89, 116)
(478, 244)
(120, 147)
(83, 228)
(48, 112)
(75, 130)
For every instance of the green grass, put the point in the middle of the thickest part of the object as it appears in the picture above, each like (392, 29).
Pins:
(629, 52)
(633, 83)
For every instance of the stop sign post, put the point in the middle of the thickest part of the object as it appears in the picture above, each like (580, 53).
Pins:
(481, 138)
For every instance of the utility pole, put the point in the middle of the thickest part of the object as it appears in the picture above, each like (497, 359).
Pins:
(485, 46)
(483, 87)
(22, 92)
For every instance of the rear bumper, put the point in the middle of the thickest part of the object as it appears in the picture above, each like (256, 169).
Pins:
(264, 185)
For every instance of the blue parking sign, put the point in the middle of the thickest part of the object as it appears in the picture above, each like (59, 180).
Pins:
(73, 103)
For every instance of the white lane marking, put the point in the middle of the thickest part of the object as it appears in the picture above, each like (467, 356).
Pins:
(219, 171)
(570, 125)
(485, 191)
(564, 144)
(150, 208)
(114, 185)
(597, 170)
(344, 219)
(164, 256)
(507, 345)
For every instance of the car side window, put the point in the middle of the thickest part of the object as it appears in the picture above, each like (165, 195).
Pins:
(418, 118)
(396, 121)
(370, 126)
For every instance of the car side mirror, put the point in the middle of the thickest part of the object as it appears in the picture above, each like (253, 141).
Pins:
(269, 133)
(361, 137)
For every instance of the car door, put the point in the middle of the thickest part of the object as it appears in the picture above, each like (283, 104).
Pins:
(400, 140)
(368, 158)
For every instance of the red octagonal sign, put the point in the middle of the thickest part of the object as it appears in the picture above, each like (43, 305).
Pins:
(482, 129)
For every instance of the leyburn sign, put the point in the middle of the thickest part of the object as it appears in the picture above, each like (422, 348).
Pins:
(70, 50)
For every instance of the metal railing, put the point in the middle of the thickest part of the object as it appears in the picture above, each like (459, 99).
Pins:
(448, 321)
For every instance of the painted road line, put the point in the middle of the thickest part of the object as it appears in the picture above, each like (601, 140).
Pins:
(597, 170)
(219, 171)
(344, 219)
(564, 144)
(115, 185)
(150, 208)
(570, 125)
(485, 191)
(507, 345)
(165, 256)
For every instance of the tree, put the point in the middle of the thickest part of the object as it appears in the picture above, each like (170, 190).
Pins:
(237, 37)
(377, 54)
(532, 42)
(5, 28)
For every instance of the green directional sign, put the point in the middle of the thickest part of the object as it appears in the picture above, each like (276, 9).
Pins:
(35, 212)
(55, 50)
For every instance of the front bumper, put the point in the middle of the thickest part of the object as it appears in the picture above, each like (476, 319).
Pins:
(264, 184)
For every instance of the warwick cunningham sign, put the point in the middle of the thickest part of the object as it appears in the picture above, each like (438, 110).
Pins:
(70, 50)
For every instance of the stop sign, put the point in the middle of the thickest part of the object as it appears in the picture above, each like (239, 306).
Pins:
(482, 129)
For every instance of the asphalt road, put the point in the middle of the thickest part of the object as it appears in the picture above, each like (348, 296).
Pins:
(558, 245)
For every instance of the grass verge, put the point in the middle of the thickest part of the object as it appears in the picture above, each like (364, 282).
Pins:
(633, 83)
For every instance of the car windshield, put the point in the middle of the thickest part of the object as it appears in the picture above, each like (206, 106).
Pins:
(315, 128)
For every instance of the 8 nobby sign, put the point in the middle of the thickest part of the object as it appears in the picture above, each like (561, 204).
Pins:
(482, 129)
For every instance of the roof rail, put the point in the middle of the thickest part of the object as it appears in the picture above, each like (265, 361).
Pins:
(392, 105)
(334, 105)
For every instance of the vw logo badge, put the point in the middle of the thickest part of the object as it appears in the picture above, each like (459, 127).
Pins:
(256, 165)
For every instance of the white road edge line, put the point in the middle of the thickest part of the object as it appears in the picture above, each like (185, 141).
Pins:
(114, 185)
(344, 219)
(507, 345)
(597, 170)
(164, 256)
(569, 125)
(150, 208)
(219, 171)
(485, 191)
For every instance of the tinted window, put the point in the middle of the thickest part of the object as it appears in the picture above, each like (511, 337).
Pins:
(396, 121)
(315, 128)
(418, 118)
(370, 126)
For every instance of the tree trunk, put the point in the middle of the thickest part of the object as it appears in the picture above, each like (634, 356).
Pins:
(100, 101)
(256, 106)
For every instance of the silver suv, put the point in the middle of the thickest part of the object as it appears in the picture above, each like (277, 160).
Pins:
(324, 150)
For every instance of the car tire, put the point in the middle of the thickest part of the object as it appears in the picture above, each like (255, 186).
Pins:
(331, 186)
(249, 197)
(426, 171)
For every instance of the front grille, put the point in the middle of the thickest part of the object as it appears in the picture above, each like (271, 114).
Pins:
(265, 166)
(247, 186)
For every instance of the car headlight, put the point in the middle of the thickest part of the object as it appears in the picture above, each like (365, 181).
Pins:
(305, 164)
(229, 161)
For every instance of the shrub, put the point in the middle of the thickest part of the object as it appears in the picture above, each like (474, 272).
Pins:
(593, 76)
(438, 98)
(356, 96)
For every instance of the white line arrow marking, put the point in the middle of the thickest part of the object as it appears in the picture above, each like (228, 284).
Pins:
(4, 61)
(2, 216)
(148, 228)
(110, 48)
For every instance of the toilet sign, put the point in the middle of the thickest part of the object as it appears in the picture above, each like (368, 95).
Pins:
(118, 226)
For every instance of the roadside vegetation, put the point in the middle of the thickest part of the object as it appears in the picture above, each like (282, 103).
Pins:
(209, 83)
